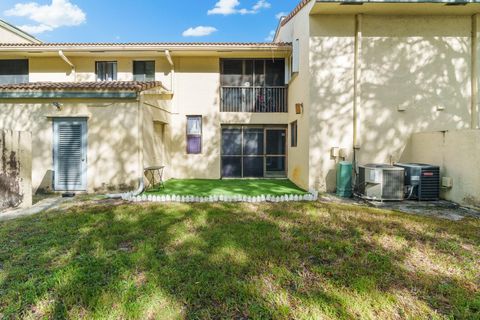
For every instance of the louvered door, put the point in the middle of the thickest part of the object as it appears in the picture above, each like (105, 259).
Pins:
(70, 154)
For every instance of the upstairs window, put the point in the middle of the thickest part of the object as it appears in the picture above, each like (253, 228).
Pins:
(194, 134)
(13, 71)
(144, 70)
(106, 70)
(253, 72)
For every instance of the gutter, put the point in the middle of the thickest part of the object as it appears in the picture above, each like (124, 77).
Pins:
(85, 47)
(67, 61)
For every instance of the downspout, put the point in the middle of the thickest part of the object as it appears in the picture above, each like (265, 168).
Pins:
(67, 61)
(172, 68)
(474, 73)
(356, 88)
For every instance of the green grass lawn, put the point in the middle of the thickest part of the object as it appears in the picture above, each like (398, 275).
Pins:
(238, 261)
(227, 187)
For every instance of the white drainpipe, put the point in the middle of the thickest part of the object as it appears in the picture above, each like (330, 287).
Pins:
(474, 73)
(67, 61)
(172, 69)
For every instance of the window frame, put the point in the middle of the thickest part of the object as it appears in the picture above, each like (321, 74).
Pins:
(262, 80)
(106, 62)
(187, 135)
(294, 134)
(17, 77)
(144, 74)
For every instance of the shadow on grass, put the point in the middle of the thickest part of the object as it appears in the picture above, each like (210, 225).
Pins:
(235, 261)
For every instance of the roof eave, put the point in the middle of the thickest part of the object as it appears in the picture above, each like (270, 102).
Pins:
(19, 32)
(123, 48)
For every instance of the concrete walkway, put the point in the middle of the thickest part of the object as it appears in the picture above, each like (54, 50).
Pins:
(43, 205)
(439, 209)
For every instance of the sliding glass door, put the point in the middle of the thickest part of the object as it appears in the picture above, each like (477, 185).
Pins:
(253, 152)
(275, 154)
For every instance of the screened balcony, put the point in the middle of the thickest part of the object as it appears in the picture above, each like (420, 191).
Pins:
(253, 85)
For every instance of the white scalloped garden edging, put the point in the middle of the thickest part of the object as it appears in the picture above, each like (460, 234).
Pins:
(311, 196)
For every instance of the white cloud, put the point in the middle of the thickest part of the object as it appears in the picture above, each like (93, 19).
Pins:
(40, 28)
(48, 17)
(270, 36)
(279, 15)
(199, 31)
(224, 7)
(227, 7)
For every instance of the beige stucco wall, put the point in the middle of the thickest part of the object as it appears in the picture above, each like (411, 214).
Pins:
(413, 75)
(53, 68)
(156, 119)
(113, 151)
(331, 94)
(196, 92)
(85, 67)
(457, 153)
(299, 92)
(421, 65)
(8, 36)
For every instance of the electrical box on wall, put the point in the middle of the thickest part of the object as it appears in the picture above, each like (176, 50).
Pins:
(447, 182)
(335, 152)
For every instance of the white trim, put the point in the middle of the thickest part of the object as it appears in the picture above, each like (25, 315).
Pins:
(7, 26)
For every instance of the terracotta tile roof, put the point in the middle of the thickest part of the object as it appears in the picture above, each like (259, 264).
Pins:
(299, 7)
(154, 44)
(136, 86)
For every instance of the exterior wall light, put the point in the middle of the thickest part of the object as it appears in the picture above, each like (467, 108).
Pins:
(299, 108)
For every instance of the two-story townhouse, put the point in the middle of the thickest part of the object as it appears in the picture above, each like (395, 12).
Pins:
(361, 76)
(101, 113)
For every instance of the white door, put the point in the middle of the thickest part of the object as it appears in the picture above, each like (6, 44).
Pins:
(70, 154)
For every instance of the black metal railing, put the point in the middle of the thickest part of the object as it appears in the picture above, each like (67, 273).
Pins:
(253, 99)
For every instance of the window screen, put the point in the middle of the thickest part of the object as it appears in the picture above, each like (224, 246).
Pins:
(232, 72)
(275, 72)
(13, 71)
(253, 72)
(232, 142)
(144, 70)
(253, 142)
(106, 70)
(231, 167)
(275, 142)
(194, 134)
(253, 167)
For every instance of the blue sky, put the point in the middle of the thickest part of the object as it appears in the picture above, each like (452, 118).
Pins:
(146, 20)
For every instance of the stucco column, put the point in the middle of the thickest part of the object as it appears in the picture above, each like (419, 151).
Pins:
(475, 71)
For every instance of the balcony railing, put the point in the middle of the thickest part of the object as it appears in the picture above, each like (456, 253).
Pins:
(253, 99)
